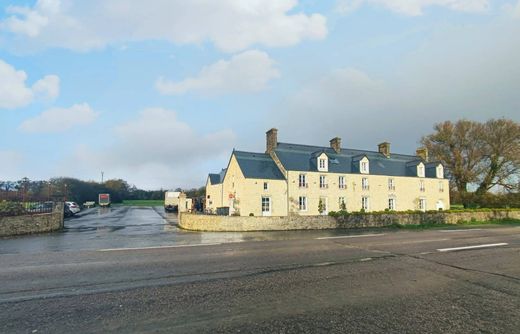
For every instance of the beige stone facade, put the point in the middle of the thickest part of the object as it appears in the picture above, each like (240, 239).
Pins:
(292, 179)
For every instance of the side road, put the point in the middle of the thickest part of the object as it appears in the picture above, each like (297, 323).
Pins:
(431, 281)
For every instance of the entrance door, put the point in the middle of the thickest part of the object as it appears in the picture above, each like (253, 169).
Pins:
(266, 206)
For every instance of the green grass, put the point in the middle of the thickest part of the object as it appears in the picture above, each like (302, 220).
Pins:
(467, 224)
(142, 203)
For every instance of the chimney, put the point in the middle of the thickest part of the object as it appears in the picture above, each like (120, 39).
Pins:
(335, 144)
(422, 152)
(272, 140)
(384, 148)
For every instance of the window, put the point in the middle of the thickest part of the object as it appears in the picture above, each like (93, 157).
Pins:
(324, 206)
(341, 182)
(365, 203)
(440, 172)
(441, 186)
(266, 186)
(391, 203)
(342, 205)
(303, 203)
(422, 204)
(364, 166)
(266, 205)
(302, 181)
(421, 186)
(364, 184)
(391, 185)
(420, 170)
(322, 164)
(323, 182)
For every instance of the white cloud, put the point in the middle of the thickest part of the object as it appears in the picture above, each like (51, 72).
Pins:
(415, 7)
(232, 25)
(13, 90)
(516, 11)
(249, 71)
(48, 87)
(459, 72)
(60, 119)
(155, 150)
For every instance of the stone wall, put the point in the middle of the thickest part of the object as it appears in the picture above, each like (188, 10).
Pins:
(242, 224)
(29, 224)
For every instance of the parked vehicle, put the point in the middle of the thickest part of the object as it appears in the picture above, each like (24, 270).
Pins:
(104, 200)
(67, 212)
(73, 206)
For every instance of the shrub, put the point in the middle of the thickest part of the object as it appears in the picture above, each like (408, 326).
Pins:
(8, 208)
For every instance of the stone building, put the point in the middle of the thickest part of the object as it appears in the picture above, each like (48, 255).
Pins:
(294, 179)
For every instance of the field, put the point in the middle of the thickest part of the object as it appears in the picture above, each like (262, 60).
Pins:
(143, 202)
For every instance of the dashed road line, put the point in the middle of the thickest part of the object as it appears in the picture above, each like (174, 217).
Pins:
(155, 247)
(471, 247)
(465, 230)
(351, 236)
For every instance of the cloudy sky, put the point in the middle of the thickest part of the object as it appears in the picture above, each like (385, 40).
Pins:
(159, 92)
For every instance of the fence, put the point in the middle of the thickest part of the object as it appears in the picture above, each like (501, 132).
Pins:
(17, 203)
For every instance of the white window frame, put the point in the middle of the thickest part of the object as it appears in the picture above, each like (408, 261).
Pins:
(422, 186)
(302, 181)
(441, 186)
(365, 203)
(391, 203)
(341, 200)
(341, 182)
(420, 170)
(266, 213)
(323, 163)
(391, 184)
(440, 172)
(266, 186)
(302, 203)
(364, 184)
(323, 182)
(325, 202)
(422, 204)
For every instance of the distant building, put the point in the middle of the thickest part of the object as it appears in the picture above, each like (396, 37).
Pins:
(310, 180)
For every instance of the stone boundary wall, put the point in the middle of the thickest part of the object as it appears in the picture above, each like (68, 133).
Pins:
(29, 224)
(211, 223)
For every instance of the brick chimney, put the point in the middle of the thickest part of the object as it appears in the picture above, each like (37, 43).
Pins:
(335, 144)
(422, 152)
(272, 140)
(384, 148)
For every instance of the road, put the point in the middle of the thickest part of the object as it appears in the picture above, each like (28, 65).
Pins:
(331, 282)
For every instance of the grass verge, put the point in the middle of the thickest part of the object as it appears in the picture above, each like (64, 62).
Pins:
(467, 224)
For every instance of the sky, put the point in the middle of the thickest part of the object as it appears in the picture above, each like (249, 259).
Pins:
(159, 92)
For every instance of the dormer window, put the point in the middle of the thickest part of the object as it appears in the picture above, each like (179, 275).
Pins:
(323, 163)
(364, 167)
(440, 172)
(420, 170)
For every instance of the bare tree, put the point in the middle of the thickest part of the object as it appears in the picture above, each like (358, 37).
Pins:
(486, 154)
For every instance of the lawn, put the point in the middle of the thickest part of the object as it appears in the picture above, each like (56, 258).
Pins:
(142, 202)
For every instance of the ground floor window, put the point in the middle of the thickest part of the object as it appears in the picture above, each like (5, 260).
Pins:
(365, 203)
(422, 204)
(303, 203)
(322, 206)
(391, 204)
(266, 205)
(342, 204)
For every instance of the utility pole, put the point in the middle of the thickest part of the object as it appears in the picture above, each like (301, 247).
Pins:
(102, 174)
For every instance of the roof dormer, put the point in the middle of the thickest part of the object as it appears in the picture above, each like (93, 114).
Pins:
(364, 166)
(322, 161)
(421, 172)
(439, 171)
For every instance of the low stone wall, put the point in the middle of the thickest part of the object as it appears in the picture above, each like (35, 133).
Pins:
(29, 224)
(242, 224)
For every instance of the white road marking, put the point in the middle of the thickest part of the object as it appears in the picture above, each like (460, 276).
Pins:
(366, 259)
(411, 242)
(156, 247)
(471, 247)
(351, 236)
(465, 230)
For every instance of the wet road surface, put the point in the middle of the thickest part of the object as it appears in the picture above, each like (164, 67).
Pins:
(132, 227)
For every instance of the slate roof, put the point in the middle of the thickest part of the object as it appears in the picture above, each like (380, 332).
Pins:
(298, 157)
(258, 166)
(217, 178)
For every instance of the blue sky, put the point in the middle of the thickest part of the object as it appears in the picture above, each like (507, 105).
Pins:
(159, 92)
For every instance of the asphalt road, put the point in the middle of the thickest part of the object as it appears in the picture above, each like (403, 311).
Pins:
(374, 282)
